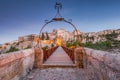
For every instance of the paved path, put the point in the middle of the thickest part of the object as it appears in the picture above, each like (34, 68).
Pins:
(60, 74)
(59, 57)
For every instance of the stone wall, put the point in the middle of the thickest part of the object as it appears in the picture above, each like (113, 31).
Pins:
(104, 65)
(38, 58)
(15, 65)
(80, 57)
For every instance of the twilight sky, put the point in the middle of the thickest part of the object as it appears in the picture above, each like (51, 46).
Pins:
(23, 17)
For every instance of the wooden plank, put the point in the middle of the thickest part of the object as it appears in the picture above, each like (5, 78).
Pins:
(59, 57)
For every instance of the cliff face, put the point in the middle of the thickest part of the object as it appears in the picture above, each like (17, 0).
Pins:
(100, 36)
(28, 41)
(90, 36)
(107, 40)
(93, 37)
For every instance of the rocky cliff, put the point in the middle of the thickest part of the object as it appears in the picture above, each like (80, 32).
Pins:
(100, 36)
(24, 42)
(89, 36)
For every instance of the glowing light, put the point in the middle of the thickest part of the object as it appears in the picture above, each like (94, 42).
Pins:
(59, 41)
(47, 41)
(37, 39)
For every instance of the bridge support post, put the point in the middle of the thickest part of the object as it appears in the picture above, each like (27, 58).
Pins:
(38, 57)
(79, 57)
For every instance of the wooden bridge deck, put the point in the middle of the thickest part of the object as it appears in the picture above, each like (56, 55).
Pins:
(59, 58)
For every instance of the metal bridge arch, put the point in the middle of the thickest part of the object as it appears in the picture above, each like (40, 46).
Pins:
(58, 17)
(55, 21)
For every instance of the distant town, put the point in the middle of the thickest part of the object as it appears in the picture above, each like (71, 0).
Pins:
(61, 37)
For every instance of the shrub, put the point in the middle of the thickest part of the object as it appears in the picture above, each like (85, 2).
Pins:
(46, 47)
(72, 44)
(68, 44)
(111, 36)
(28, 47)
(99, 45)
(52, 45)
(75, 43)
(12, 49)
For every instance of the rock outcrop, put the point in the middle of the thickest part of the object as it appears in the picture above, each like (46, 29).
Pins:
(100, 36)
(25, 42)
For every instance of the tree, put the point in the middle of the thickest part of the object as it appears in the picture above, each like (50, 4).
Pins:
(43, 36)
(47, 36)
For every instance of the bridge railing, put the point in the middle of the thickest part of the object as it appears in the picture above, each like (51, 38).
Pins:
(47, 53)
(16, 65)
(103, 71)
(70, 53)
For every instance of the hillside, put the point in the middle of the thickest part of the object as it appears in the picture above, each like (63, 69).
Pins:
(107, 40)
